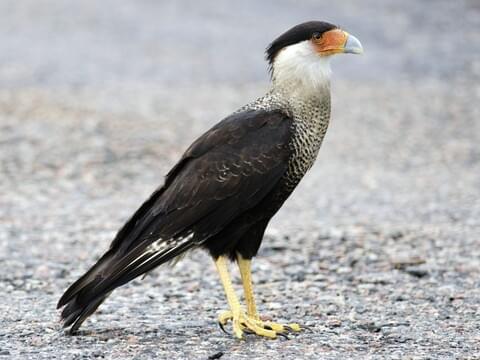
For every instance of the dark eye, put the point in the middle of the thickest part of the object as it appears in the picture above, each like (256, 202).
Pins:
(317, 35)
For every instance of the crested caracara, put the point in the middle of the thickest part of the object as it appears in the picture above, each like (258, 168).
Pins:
(222, 193)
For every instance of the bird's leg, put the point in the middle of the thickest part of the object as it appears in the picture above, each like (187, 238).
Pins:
(239, 319)
(245, 271)
(244, 266)
(235, 309)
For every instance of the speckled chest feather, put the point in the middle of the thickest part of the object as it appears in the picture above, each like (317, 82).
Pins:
(311, 115)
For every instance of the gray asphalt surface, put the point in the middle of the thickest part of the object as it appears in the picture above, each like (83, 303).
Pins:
(377, 250)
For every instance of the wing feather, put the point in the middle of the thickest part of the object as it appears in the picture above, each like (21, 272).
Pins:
(224, 173)
(227, 171)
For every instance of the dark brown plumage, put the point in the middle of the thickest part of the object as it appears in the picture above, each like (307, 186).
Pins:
(229, 183)
(234, 168)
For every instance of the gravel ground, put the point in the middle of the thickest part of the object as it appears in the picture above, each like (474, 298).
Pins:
(377, 250)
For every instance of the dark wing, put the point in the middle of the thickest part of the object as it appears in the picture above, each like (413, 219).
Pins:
(227, 171)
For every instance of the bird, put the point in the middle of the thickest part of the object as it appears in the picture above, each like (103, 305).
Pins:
(222, 193)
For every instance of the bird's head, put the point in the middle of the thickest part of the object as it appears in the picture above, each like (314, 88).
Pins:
(301, 56)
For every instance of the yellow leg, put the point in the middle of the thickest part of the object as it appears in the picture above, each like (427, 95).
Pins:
(245, 266)
(245, 272)
(239, 319)
(222, 268)
(250, 321)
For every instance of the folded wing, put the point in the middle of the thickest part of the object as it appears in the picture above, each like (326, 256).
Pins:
(227, 171)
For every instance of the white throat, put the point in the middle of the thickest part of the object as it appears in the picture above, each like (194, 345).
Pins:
(300, 70)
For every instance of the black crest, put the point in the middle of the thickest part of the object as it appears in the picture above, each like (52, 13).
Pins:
(295, 35)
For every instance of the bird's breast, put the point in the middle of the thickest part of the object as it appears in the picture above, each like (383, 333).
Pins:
(309, 129)
(311, 116)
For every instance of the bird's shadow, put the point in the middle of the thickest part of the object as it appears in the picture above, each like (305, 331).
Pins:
(126, 334)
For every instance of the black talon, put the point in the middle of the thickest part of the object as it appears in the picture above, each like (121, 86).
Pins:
(309, 328)
(223, 329)
(248, 331)
(283, 335)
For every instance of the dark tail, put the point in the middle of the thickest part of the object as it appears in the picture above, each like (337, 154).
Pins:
(77, 307)
(84, 296)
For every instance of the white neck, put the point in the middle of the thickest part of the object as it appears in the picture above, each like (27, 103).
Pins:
(299, 70)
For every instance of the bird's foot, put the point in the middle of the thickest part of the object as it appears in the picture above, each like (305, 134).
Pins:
(242, 323)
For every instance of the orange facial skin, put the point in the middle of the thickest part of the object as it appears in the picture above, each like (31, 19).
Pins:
(330, 42)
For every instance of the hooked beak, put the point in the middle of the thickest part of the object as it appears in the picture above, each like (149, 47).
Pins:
(352, 45)
(337, 41)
